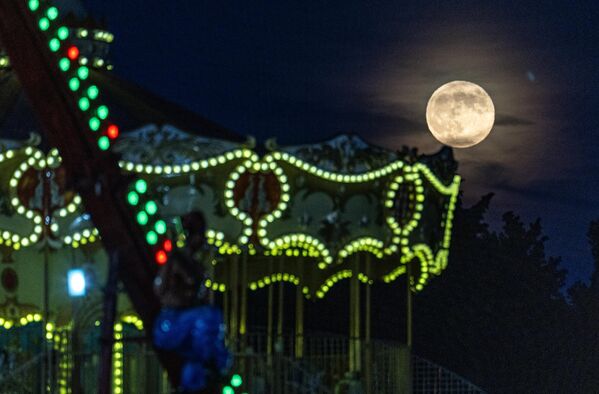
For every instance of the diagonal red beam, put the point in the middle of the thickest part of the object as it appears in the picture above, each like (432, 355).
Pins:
(94, 174)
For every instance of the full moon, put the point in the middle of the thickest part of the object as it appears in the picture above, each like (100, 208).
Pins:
(460, 114)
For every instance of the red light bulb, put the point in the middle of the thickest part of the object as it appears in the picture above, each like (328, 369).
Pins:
(112, 131)
(73, 53)
(168, 245)
(161, 257)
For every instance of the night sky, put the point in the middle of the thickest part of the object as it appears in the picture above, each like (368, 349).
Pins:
(305, 71)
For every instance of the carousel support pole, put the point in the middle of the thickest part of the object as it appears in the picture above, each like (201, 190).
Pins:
(299, 323)
(234, 320)
(107, 335)
(211, 293)
(280, 300)
(47, 360)
(243, 363)
(280, 342)
(269, 328)
(244, 302)
(409, 307)
(226, 307)
(354, 321)
(405, 364)
(367, 332)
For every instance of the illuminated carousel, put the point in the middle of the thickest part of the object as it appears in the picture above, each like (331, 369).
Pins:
(307, 217)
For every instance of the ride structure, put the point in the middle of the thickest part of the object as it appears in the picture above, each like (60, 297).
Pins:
(311, 215)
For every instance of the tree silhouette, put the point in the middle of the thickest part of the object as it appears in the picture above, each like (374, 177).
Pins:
(498, 315)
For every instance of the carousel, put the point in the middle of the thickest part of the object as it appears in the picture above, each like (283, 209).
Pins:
(308, 217)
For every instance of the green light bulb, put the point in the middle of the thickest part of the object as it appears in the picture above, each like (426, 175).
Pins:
(228, 390)
(64, 64)
(54, 44)
(141, 186)
(236, 380)
(83, 72)
(93, 92)
(84, 103)
(133, 198)
(63, 32)
(142, 218)
(104, 143)
(94, 124)
(74, 84)
(102, 112)
(44, 24)
(34, 5)
(152, 237)
(151, 207)
(52, 13)
(160, 227)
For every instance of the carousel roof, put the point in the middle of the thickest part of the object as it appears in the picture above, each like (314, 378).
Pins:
(315, 208)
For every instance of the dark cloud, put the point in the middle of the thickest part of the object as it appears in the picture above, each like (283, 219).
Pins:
(507, 120)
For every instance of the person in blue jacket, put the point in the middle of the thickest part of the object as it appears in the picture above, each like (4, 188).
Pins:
(186, 324)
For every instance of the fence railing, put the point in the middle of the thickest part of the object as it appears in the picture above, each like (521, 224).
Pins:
(22, 379)
(323, 365)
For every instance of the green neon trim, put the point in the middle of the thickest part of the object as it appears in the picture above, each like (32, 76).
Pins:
(94, 124)
(63, 33)
(64, 64)
(141, 186)
(92, 92)
(44, 24)
(52, 13)
(236, 380)
(74, 84)
(151, 207)
(54, 44)
(152, 237)
(133, 198)
(142, 218)
(103, 143)
(84, 103)
(228, 390)
(102, 112)
(160, 227)
(83, 73)
(34, 5)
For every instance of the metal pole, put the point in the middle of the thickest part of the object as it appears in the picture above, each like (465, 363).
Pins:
(299, 323)
(47, 360)
(244, 301)
(235, 302)
(107, 336)
(409, 306)
(367, 333)
(269, 327)
(280, 314)
(355, 343)
(406, 385)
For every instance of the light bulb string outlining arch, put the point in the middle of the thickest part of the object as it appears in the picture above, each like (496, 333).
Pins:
(37, 160)
(186, 168)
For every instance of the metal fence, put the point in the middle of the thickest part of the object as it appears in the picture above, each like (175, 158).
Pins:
(323, 365)
(430, 378)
